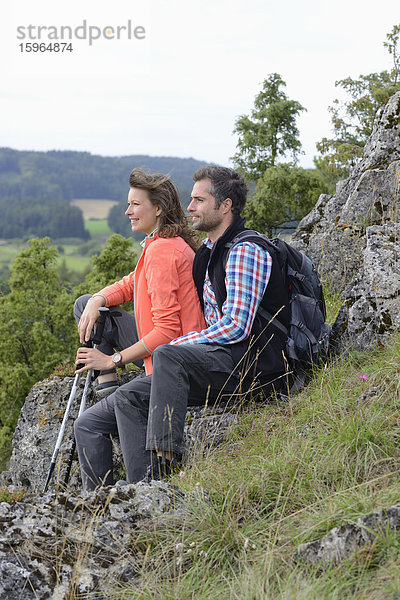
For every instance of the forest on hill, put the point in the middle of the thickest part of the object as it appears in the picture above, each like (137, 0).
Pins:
(48, 181)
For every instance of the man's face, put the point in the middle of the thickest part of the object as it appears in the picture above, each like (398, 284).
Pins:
(205, 216)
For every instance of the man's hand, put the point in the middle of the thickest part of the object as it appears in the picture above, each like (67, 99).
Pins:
(89, 318)
(91, 358)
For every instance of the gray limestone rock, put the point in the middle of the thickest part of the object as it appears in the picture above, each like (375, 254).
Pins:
(333, 234)
(60, 545)
(63, 544)
(371, 310)
(21, 578)
(383, 146)
(40, 420)
(206, 428)
(353, 239)
(36, 434)
(344, 541)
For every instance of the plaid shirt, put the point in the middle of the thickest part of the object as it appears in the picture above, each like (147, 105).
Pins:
(248, 270)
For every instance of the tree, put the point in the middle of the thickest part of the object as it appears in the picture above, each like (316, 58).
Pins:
(353, 120)
(117, 220)
(37, 331)
(283, 193)
(116, 260)
(44, 218)
(37, 327)
(270, 132)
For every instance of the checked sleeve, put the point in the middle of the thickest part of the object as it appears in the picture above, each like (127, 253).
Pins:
(248, 270)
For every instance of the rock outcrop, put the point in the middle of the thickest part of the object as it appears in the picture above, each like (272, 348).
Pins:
(333, 234)
(69, 545)
(353, 238)
(39, 423)
(371, 310)
(50, 543)
(344, 541)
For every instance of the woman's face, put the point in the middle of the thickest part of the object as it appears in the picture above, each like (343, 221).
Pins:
(143, 215)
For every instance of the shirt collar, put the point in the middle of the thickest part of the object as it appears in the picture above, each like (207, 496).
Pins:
(208, 243)
(149, 237)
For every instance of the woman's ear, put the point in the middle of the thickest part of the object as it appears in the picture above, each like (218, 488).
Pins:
(158, 210)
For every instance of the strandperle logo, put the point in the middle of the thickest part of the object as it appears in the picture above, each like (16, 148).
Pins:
(84, 31)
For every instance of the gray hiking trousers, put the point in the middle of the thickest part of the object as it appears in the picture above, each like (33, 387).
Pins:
(119, 329)
(148, 413)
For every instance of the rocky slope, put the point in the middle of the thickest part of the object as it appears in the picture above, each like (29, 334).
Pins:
(61, 543)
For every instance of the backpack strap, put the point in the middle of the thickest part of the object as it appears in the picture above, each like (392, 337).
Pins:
(300, 276)
(249, 235)
(299, 381)
(267, 315)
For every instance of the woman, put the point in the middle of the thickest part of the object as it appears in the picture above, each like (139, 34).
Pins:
(166, 307)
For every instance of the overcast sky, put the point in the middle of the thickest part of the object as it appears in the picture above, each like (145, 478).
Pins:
(177, 89)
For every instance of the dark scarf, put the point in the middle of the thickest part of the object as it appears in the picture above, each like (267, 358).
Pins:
(212, 258)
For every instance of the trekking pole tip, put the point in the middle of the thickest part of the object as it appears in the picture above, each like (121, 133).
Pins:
(53, 464)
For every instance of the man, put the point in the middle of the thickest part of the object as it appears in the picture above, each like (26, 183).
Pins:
(236, 352)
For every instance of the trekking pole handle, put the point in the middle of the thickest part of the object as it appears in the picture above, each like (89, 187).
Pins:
(88, 344)
(100, 324)
(99, 332)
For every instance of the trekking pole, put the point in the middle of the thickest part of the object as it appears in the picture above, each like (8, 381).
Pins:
(95, 341)
(96, 338)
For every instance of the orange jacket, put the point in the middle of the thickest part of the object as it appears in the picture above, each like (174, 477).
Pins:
(164, 295)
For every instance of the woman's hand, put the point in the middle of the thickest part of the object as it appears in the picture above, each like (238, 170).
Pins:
(91, 358)
(89, 318)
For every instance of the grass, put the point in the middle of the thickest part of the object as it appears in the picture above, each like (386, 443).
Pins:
(97, 227)
(8, 252)
(11, 496)
(75, 254)
(287, 475)
(74, 260)
(76, 264)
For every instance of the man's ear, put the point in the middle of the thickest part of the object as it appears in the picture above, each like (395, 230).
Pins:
(227, 204)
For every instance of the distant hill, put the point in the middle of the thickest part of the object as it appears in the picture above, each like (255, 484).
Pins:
(58, 176)
(64, 174)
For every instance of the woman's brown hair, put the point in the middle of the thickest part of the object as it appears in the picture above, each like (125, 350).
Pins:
(164, 193)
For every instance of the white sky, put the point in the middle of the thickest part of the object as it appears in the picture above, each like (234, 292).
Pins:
(179, 91)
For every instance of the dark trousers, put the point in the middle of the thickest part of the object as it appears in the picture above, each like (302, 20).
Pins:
(148, 413)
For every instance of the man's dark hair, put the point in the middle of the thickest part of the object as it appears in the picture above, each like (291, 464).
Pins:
(225, 183)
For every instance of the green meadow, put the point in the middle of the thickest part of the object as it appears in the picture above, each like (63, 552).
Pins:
(74, 254)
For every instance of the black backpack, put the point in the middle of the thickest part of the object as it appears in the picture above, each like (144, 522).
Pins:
(308, 335)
